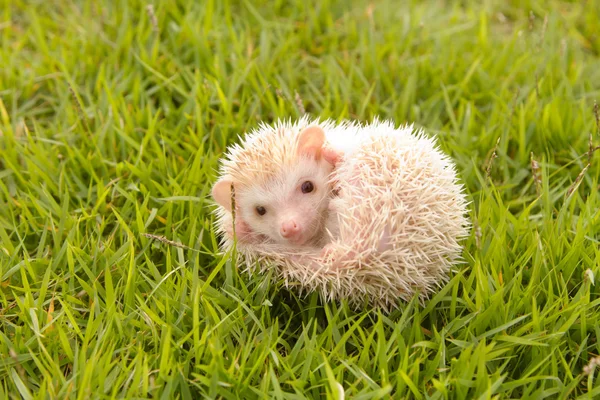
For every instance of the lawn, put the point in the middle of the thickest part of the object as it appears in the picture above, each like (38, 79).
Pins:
(113, 117)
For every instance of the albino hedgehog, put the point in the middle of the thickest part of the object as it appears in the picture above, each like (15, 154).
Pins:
(368, 213)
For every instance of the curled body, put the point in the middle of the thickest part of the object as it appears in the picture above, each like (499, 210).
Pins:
(387, 223)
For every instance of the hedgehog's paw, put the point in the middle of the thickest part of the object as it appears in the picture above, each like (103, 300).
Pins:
(328, 251)
(335, 257)
(330, 256)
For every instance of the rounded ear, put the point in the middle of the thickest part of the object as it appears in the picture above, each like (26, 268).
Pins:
(221, 192)
(311, 141)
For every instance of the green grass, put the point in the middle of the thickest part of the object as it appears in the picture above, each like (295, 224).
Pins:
(111, 127)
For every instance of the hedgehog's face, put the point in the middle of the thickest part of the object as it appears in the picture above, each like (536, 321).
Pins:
(290, 206)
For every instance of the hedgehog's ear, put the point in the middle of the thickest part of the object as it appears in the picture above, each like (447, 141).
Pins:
(311, 141)
(221, 192)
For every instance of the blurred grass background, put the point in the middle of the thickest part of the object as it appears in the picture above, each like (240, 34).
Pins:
(113, 116)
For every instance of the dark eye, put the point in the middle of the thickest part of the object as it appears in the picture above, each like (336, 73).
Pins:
(307, 187)
(260, 210)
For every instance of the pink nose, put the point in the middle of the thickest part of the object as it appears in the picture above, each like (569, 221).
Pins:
(289, 229)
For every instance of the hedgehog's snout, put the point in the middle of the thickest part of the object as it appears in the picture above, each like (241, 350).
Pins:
(289, 229)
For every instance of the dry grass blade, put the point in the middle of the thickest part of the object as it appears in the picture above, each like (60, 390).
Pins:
(578, 180)
(543, 33)
(535, 171)
(163, 239)
(152, 16)
(591, 147)
(299, 103)
(79, 109)
(491, 159)
(597, 118)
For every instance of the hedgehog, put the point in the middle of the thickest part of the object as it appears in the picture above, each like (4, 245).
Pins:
(369, 213)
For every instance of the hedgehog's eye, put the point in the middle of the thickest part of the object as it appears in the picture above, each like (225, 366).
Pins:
(307, 187)
(260, 210)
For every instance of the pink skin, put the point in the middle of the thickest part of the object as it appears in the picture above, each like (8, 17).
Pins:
(290, 230)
